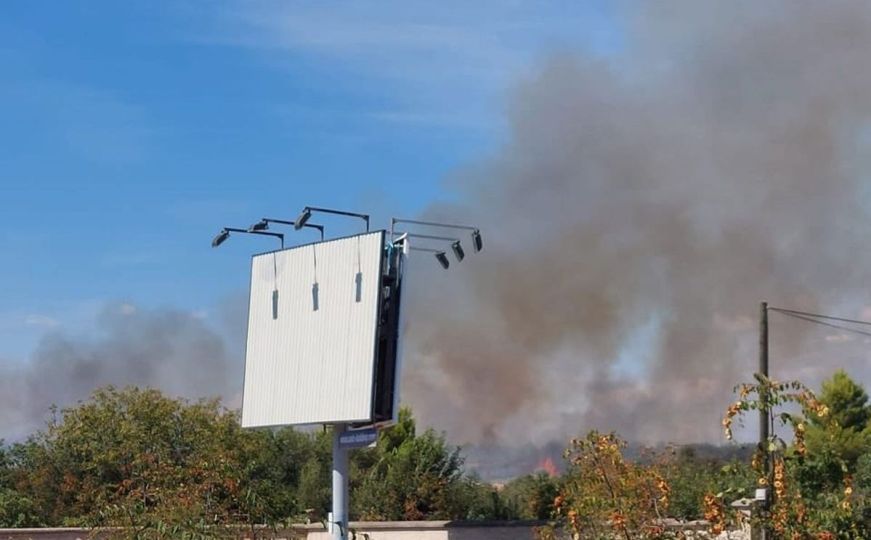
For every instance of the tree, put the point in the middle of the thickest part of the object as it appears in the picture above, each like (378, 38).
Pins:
(409, 477)
(168, 468)
(843, 434)
(691, 478)
(314, 487)
(847, 402)
(531, 496)
(799, 509)
(16, 510)
(605, 496)
(162, 467)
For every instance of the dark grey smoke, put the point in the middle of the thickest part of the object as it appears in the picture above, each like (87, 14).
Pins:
(167, 349)
(642, 207)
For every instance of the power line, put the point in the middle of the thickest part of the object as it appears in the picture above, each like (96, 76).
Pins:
(818, 316)
(808, 317)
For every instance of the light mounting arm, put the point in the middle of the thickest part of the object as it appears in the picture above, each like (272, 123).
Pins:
(456, 247)
(477, 243)
(263, 225)
(440, 255)
(306, 213)
(222, 236)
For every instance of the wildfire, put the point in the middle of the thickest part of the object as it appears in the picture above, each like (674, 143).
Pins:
(547, 465)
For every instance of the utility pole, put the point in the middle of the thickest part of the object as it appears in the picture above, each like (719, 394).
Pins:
(764, 497)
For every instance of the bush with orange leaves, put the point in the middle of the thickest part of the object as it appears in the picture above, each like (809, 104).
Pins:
(791, 513)
(606, 496)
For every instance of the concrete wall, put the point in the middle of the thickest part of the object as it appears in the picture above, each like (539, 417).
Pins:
(44, 534)
(437, 530)
(395, 530)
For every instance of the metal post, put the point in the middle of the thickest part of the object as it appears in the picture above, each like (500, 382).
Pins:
(339, 521)
(764, 414)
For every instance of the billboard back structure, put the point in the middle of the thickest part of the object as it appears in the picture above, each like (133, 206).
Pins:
(323, 333)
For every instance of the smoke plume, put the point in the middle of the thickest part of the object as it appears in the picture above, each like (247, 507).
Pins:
(641, 208)
(643, 205)
(166, 349)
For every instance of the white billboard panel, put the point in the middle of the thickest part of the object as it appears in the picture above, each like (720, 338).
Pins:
(312, 330)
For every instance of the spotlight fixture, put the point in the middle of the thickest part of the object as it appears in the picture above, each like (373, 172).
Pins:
(222, 236)
(440, 255)
(303, 218)
(442, 259)
(458, 250)
(456, 247)
(263, 225)
(307, 213)
(477, 243)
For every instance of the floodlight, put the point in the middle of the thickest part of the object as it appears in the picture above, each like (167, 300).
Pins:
(442, 259)
(263, 225)
(225, 233)
(477, 244)
(440, 255)
(221, 236)
(456, 246)
(302, 218)
(307, 212)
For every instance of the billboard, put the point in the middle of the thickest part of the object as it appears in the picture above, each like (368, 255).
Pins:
(322, 334)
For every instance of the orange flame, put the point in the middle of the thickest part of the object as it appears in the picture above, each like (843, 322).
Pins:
(547, 465)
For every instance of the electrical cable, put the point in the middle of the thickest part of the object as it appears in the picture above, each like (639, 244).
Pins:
(818, 316)
(802, 316)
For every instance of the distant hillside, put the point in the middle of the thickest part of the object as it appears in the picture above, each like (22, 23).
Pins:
(497, 464)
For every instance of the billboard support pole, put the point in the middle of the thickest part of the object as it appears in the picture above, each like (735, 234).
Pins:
(339, 522)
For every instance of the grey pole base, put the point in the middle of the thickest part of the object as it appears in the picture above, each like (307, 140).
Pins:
(339, 520)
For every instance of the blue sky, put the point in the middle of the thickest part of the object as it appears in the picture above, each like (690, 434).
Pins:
(132, 131)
